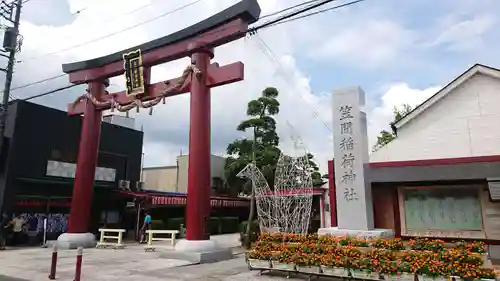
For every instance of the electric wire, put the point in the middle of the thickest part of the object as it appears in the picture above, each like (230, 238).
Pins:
(287, 9)
(149, 20)
(319, 12)
(116, 32)
(264, 47)
(88, 42)
(250, 31)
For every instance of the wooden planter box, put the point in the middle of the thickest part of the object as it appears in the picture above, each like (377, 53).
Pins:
(429, 278)
(335, 271)
(308, 269)
(402, 277)
(359, 274)
(259, 264)
(283, 266)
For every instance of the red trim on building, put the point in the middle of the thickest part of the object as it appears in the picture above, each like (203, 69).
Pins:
(296, 191)
(37, 203)
(158, 199)
(332, 194)
(440, 161)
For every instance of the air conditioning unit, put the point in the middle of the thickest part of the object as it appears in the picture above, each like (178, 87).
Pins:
(124, 185)
(139, 186)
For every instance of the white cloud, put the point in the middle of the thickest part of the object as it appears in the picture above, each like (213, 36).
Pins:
(355, 39)
(369, 43)
(166, 131)
(464, 34)
(396, 95)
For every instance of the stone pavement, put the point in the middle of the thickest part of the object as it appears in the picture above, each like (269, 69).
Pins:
(131, 263)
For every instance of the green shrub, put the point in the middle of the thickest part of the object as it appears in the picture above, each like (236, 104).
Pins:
(158, 225)
(229, 224)
(212, 226)
(175, 223)
(254, 231)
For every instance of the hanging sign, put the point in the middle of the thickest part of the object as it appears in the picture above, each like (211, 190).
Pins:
(132, 64)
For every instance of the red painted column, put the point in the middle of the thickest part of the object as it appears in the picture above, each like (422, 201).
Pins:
(332, 193)
(83, 187)
(199, 181)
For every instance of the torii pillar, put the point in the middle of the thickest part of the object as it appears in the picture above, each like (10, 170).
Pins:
(197, 42)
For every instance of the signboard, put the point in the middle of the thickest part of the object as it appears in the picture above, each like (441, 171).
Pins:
(354, 200)
(68, 170)
(132, 64)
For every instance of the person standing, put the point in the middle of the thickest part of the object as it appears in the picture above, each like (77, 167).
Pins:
(18, 223)
(4, 224)
(145, 226)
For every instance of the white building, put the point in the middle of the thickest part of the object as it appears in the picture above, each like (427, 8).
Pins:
(461, 120)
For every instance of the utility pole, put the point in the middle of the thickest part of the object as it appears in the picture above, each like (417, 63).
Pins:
(10, 45)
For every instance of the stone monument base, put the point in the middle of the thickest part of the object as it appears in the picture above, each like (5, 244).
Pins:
(75, 240)
(374, 233)
(199, 251)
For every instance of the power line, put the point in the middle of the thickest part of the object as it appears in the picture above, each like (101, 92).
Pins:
(273, 58)
(39, 81)
(319, 12)
(150, 20)
(112, 34)
(287, 9)
(274, 22)
(300, 11)
(116, 32)
(50, 92)
(252, 30)
(64, 74)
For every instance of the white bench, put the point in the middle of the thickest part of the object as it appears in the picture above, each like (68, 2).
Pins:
(151, 238)
(106, 235)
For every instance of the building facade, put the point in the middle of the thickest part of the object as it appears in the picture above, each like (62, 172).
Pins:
(41, 159)
(439, 176)
(174, 178)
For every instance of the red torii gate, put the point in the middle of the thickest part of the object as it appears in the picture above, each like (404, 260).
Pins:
(197, 42)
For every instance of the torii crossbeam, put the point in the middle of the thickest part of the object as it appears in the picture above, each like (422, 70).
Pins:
(197, 42)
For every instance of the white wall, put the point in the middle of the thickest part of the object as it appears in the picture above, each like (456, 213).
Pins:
(464, 123)
(217, 170)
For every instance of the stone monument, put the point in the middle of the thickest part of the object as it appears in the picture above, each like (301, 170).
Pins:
(352, 182)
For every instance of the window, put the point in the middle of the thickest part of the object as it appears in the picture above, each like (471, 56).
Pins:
(442, 208)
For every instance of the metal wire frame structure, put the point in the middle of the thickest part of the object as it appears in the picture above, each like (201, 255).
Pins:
(293, 193)
(266, 207)
(287, 208)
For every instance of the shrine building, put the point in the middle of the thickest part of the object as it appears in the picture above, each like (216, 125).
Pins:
(440, 177)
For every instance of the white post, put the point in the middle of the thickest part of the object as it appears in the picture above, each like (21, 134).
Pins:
(354, 198)
(44, 232)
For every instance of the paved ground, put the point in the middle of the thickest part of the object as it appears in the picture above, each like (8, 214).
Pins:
(131, 263)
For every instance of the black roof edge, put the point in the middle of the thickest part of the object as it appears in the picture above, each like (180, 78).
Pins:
(247, 10)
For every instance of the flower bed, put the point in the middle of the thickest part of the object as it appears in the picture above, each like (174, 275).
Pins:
(391, 259)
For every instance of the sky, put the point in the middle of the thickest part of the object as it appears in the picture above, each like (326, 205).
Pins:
(398, 52)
